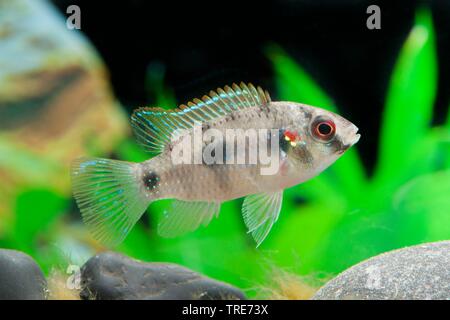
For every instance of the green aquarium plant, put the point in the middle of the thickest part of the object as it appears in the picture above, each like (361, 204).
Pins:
(349, 216)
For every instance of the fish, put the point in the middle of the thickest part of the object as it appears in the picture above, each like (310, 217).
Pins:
(302, 141)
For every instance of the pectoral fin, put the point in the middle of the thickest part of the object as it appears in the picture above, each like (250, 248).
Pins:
(260, 211)
(186, 216)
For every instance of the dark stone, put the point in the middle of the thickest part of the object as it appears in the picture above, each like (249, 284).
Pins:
(112, 276)
(20, 277)
(413, 273)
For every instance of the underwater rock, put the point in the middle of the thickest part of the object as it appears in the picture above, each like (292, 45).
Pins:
(418, 272)
(20, 277)
(112, 276)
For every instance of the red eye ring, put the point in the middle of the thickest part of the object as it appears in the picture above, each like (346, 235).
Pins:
(324, 130)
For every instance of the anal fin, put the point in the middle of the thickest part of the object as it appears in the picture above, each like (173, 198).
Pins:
(186, 216)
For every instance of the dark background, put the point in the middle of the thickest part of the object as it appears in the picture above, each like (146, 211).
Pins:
(210, 44)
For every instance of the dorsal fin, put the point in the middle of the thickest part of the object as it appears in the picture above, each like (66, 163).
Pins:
(153, 127)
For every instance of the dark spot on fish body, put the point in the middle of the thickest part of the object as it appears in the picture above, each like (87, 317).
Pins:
(266, 108)
(283, 143)
(306, 113)
(219, 170)
(151, 180)
(219, 173)
(263, 109)
(303, 154)
(217, 162)
(205, 126)
(337, 145)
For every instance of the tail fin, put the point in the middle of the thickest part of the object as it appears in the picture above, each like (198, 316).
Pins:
(109, 197)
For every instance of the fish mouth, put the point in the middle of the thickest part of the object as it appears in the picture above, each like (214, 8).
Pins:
(357, 136)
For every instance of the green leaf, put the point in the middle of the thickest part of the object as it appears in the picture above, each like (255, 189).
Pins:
(137, 244)
(429, 154)
(20, 161)
(129, 150)
(409, 104)
(222, 250)
(35, 210)
(157, 91)
(422, 207)
(298, 234)
(360, 235)
(294, 84)
(446, 155)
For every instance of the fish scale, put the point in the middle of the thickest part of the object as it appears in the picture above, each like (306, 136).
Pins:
(214, 182)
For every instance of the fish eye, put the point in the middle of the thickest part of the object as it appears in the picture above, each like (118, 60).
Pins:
(324, 130)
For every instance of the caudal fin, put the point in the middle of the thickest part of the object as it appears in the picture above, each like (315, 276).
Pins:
(109, 197)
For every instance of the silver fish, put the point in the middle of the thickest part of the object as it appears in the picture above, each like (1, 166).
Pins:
(112, 195)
